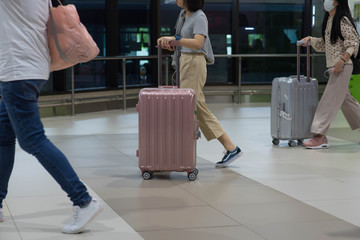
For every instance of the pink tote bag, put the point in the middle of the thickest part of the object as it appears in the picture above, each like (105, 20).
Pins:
(69, 41)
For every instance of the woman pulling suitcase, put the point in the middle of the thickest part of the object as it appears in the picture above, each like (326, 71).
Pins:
(192, 36)
(339, 42)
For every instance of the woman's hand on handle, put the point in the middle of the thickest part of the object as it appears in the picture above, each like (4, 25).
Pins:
(164, 42)
(305, 40)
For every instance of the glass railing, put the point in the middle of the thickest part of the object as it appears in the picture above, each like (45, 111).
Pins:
(167, 75)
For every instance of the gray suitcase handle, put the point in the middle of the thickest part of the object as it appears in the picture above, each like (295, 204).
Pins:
(177, 71)
(299, 44)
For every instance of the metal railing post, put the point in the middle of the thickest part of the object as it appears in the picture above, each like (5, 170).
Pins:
(72, 91)
(240, 79)
(169, 78)
(167, 71)
(124, 82)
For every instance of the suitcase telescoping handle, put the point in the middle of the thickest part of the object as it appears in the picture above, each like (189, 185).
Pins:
(299, 44)
(177, 66)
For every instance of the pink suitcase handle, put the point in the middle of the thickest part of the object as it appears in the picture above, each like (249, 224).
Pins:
(175, 44)
(167, 87)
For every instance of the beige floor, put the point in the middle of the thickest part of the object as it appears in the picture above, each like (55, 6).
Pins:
(273, 193)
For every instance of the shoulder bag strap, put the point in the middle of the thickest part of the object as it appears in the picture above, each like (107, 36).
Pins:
(54, 32)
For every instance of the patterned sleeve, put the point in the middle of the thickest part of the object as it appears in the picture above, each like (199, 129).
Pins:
(318, 44)
(351, 38)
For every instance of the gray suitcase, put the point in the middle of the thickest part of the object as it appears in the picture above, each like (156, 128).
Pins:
(293, 103)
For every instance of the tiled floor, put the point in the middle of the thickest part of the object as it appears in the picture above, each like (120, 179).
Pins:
(273, 193)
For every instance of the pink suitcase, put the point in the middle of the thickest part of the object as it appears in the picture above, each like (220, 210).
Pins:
(168, 130)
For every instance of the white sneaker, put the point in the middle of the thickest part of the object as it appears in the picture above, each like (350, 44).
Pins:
(83, 216)
(1, 215)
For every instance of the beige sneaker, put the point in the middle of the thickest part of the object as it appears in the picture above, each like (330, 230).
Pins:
(317, 142)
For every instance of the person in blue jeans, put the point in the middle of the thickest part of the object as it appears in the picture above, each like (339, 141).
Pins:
(24, 69)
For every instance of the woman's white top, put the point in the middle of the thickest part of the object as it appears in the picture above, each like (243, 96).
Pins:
(24, 52)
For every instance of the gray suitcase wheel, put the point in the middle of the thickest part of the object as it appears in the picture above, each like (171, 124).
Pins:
(192, 176)
(196, 171)
(146, 175)
(292, 143)
(276, 141)
(300, 141)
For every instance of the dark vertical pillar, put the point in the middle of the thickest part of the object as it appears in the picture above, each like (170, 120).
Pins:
(307, 18)
(59, 77)
(154, 35)
(59, 81)
(154, 24)
(235, 27)
(112, 43)
(235, 40)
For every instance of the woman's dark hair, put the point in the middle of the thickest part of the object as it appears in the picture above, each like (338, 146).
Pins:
(342, 10)
(193, 5)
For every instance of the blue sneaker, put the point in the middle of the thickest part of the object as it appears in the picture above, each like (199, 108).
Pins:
(229, 157)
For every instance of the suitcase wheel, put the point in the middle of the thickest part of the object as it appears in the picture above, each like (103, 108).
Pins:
(291, 143)
(300, 141)
(146, 175)
(192, 175)
(276, 141)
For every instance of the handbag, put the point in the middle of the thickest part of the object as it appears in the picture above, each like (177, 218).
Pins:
(68, 39)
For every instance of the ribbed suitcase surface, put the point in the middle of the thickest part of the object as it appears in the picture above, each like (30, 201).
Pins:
(293, 106)
(168, 130)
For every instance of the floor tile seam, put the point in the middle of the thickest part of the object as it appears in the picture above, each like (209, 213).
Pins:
(113, 147)
(189, 228)
(323, 199)
(337, 220)
(13, 220)
(307, 221)
(308, 180)
(195, 196)
(163, 208)
(297, 198)
(256, 183)
(249, 182)
(331, 200)
(77, 165)
(269, 185)
(85, 178)
(294, 201)
(304, 221)
(226, 215)
(308, 203)
(241, 118)
(210, 205)
(98, 197)
(80, 148)
(257, 233)
(9, 197)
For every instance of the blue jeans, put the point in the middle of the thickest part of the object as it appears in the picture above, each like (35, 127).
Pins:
(20, 118)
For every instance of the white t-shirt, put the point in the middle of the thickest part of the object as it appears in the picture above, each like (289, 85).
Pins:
(24, 52)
